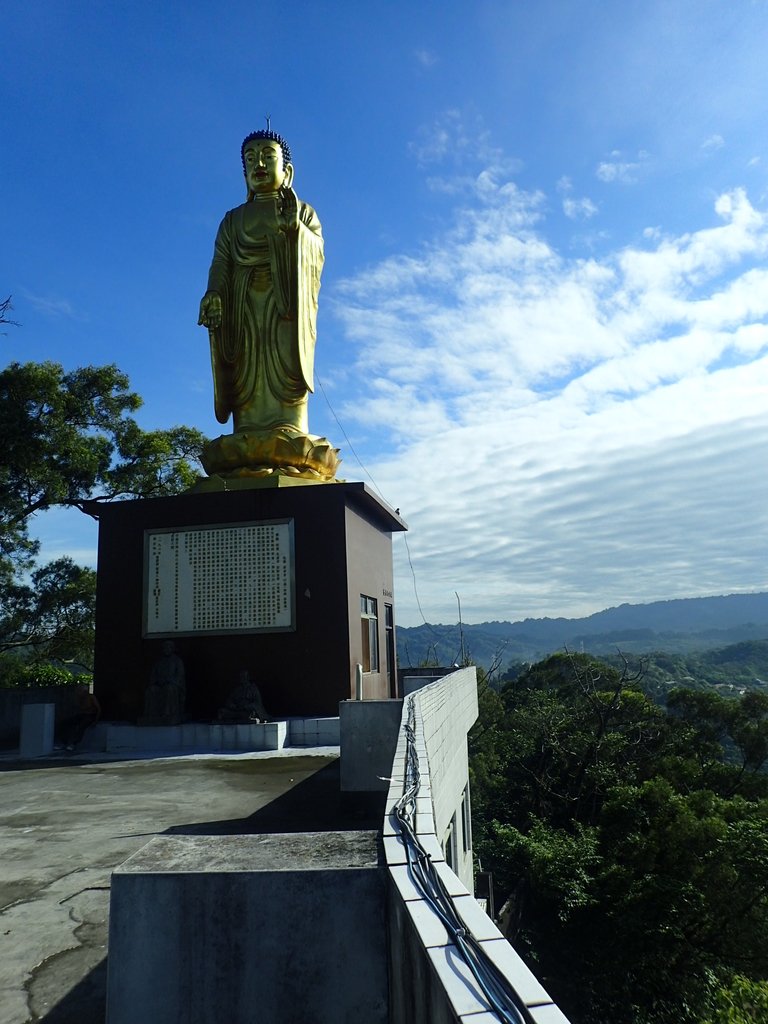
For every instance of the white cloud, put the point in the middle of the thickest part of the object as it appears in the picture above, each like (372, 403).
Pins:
(569, 433)
(446, 135)
(713, 142)
(579, 209)
(575, 209)
(624, 172)
(51, 306)
(619, 169)
(426, 58)
(458, 136)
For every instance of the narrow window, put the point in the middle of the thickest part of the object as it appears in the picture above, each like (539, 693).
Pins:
(369, 622)
(449, 845)
(389, 648)
(466, 821)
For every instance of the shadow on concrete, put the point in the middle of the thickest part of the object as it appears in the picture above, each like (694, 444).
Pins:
(85, 1003)
(314, 805)
(11, 762)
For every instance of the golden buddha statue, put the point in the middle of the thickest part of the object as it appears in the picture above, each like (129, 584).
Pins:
(261, 313)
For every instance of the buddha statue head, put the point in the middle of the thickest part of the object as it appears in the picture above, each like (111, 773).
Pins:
(267, 166)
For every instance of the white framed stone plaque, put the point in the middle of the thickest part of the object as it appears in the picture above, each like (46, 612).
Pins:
(234, 578)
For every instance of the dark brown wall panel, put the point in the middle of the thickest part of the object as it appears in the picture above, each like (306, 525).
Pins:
(342, 541)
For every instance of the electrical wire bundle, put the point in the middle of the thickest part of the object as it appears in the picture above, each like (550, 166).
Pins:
(502, 996)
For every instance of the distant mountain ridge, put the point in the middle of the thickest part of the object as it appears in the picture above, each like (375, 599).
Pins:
(678, 626)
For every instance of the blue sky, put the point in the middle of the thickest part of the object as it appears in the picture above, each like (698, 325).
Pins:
(544, 311)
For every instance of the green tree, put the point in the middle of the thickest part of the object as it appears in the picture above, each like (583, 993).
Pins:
(629, 842)
(69, 439)
(722, 742)
(51, 612)
(741, 1002)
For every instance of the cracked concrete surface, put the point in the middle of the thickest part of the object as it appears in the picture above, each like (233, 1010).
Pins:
(65, 825)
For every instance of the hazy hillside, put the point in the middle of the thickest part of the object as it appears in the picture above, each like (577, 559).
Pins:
(730, 670)
(675, 627)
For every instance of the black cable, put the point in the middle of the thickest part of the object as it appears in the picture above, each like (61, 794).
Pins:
(346, 438)
(503, 998)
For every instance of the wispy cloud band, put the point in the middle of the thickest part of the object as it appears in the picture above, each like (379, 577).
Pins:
(569, 433)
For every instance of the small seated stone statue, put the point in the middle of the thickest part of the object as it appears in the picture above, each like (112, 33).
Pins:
(244, 703)
(165, 695)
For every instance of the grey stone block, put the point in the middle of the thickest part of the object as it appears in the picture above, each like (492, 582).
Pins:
(37, 721)
(369, 731)
(281, 928)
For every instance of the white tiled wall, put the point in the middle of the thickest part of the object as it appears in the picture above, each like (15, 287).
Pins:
(430, 981)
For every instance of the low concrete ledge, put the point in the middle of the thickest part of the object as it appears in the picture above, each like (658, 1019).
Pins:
(201, 737)
(281, 928)
(313, 732)
(211, 737)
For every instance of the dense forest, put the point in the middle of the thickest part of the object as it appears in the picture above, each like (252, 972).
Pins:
(730, 671)
(628, 839)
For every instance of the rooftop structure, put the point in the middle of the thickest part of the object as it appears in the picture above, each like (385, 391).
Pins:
(303, 844)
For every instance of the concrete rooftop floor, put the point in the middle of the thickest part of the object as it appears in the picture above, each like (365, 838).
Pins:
(66, 823)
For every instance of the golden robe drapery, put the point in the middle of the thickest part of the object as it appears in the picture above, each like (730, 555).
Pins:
(263, 353)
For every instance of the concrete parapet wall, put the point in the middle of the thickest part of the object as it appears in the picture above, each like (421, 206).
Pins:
(369, 731)
(288, 929)
(429, 981)
(413, 683)
(431, 984)
(447, 710)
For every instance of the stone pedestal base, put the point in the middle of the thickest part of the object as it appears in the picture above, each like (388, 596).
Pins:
(282, 452)
(342, 549)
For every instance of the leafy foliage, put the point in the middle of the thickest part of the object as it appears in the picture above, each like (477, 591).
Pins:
(15, 673)
(52, 610)
(730, 669)
(69, 439)
(629, 841)
(742, 1002)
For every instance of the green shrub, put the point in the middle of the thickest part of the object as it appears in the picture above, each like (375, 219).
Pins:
(743, 1002)
(24, 675)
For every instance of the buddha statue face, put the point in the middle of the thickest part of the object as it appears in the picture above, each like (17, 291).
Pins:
(265, 170)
